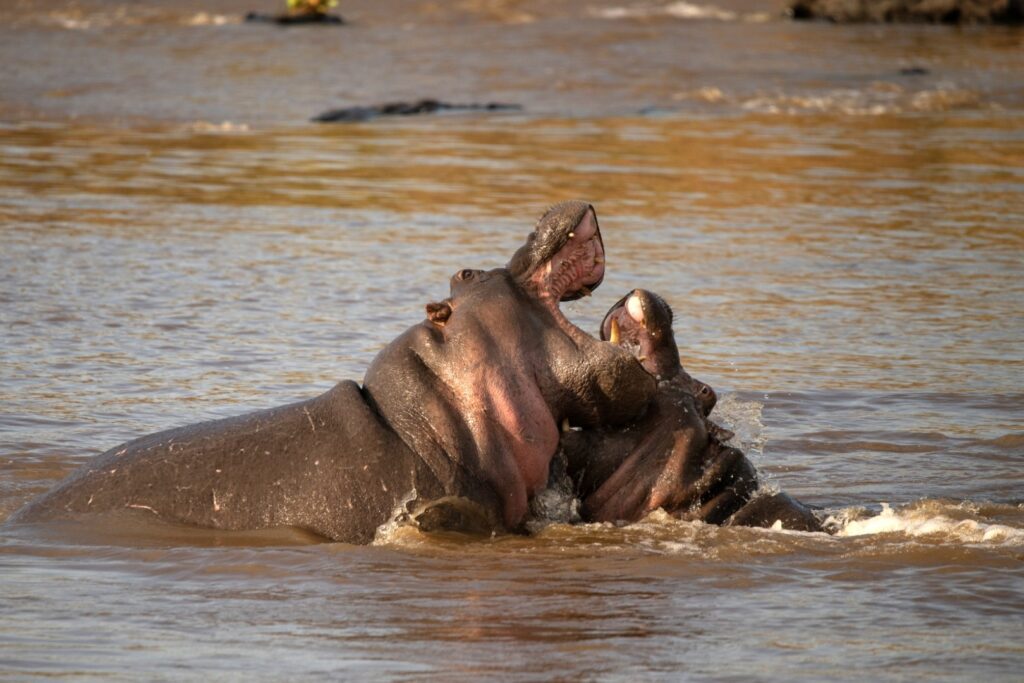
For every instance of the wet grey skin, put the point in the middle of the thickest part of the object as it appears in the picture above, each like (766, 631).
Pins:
(454, 426)
(673, 457)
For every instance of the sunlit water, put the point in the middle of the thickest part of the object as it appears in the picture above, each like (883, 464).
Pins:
(842, 243)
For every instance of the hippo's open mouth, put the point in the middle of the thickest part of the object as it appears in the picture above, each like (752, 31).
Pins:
(633, 322)
(562, 260)
(576, 268)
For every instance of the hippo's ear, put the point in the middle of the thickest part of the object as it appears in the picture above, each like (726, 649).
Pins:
(439, 312)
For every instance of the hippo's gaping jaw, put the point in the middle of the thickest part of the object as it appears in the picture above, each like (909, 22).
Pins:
(563, 259)
(641, 323)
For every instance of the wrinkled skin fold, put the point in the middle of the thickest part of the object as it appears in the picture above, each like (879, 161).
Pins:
(455, 424)
(673, 457)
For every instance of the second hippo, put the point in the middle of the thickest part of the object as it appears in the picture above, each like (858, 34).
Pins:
(674, 457)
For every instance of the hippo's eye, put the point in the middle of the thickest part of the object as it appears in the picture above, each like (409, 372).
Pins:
(465, 274)
(704, 391)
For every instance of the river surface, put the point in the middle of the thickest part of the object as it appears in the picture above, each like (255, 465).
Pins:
(836, 215)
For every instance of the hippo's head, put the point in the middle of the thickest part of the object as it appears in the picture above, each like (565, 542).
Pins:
(563, 258)
(641, 322)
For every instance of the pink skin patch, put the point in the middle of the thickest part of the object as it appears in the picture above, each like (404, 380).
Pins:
(526, 430)
(515, 432)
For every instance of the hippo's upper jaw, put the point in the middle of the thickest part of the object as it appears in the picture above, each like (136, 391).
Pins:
(563, 258)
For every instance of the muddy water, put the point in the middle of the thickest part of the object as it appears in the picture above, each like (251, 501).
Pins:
(841, 241)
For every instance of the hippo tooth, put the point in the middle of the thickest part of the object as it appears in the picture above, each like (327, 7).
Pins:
(571, 235)
(598, 260)
(613, 335)
(565, 425)
(635, 308)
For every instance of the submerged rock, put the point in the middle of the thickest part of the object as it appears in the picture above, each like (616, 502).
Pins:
(296, 18)
(910, 11)
(426, 106)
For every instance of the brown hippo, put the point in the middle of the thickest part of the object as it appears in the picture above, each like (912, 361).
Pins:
(673, 457)
(455, 424)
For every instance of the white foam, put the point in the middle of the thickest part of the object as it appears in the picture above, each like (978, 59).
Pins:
(875, 100)
(926, 521)
(78, 20)
(207, 19)
(680, 9)
(878, 98)
(71, 22)
(392, 530)
(222, 127)
(685, 10)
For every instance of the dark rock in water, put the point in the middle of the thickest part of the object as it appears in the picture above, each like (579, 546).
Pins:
(353, 114)
(914, 71)
(910, 11)
(295, 19)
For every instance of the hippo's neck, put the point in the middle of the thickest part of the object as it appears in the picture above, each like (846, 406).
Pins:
(588, 381)
(545, 301)
(464, 395)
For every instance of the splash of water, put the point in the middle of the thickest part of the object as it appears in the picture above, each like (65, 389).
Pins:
(743, 418)
(389, 531)
(926, 520)
(679, 10)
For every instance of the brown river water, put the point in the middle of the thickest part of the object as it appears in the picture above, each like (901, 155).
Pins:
(836, 214)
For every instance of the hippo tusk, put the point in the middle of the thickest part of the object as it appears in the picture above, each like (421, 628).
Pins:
(613, 335)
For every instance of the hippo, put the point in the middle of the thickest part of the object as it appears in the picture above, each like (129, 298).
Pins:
(454, 426)
(413, 108)
(674, 457)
